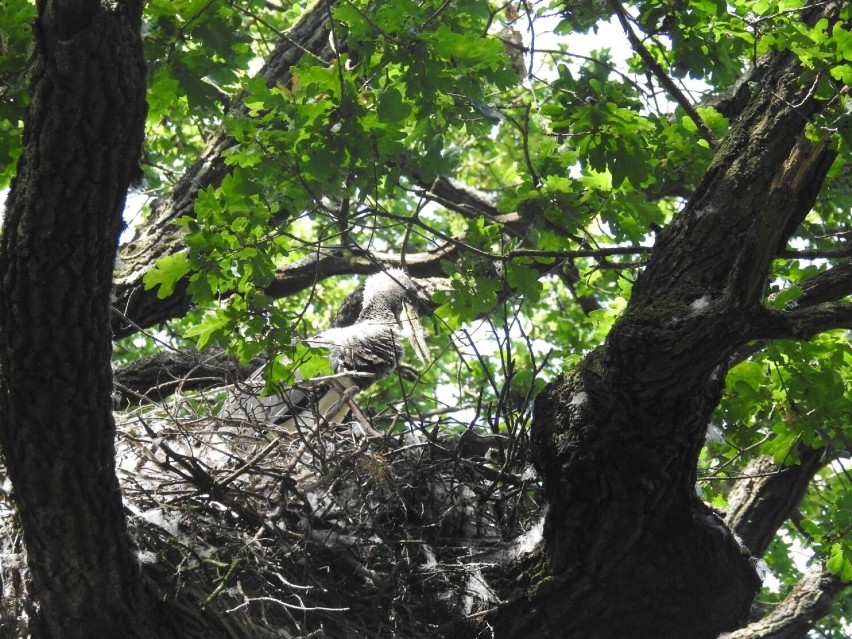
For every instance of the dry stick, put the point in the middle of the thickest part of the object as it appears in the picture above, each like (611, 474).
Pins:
(661, 75)
(345, 396)
(201, 479)
(251, 462)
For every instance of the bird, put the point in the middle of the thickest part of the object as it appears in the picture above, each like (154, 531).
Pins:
(361, 354)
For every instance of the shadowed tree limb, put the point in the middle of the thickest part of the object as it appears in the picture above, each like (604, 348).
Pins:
(152, 379)
(802, 323)
(833, 284)
(792, 618)
(758, 505)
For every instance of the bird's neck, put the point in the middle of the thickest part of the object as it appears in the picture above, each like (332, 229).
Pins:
(378, 313)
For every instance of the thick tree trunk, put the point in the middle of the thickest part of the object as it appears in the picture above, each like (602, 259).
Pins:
(629, 550)
(83, 140)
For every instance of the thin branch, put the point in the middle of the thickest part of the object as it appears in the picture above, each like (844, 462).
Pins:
(756, 21)
(600, 253)
(556, 53)
(816, 254)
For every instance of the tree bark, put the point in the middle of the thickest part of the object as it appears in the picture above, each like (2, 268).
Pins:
(83, 139)
(629, 549)
(807, 602)
(152, 379)
(757, 506)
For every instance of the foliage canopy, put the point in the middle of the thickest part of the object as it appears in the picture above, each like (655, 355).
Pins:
(572, 158)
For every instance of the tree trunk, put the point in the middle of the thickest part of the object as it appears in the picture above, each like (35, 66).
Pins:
(83, 139)
(629, 549)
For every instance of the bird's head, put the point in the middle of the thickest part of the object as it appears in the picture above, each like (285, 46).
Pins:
(393, 293)
(388, 290)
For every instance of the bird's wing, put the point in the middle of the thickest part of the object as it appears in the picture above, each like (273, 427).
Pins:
(294, 406)
(370, 346)
(248, 401)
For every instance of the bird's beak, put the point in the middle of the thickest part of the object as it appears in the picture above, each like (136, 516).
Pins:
(411, 326)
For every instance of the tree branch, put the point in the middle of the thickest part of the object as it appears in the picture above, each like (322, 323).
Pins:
(808, 601)
(751, 199)
(759, 504)
(833, 284)
(160, 236)
(156, 377)
(324, 263)
(791, 195)
(816, 254)
(733, 100)
(802, 323)
(462, 198)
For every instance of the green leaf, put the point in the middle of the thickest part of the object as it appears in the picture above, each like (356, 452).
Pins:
(391, 107)
(813, 529)
(524, 280)
(781, 447)
(789, 294)
(835, 559)
(749, 373)
(166, 274)
(600, 181)
(212, 327)
(448, 44)
(311, 361)
(316, 79)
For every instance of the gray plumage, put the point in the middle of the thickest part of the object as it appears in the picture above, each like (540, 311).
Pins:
(371, 346)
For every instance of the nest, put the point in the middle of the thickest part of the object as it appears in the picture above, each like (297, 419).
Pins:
(335, 531)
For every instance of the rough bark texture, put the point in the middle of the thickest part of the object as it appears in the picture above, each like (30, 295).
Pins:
(757, 506)
(83, 139)
(833, 284)
(629, 550)
(809, 600)
(152, 379)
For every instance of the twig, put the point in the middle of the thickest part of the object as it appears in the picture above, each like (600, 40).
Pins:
(286, 605)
